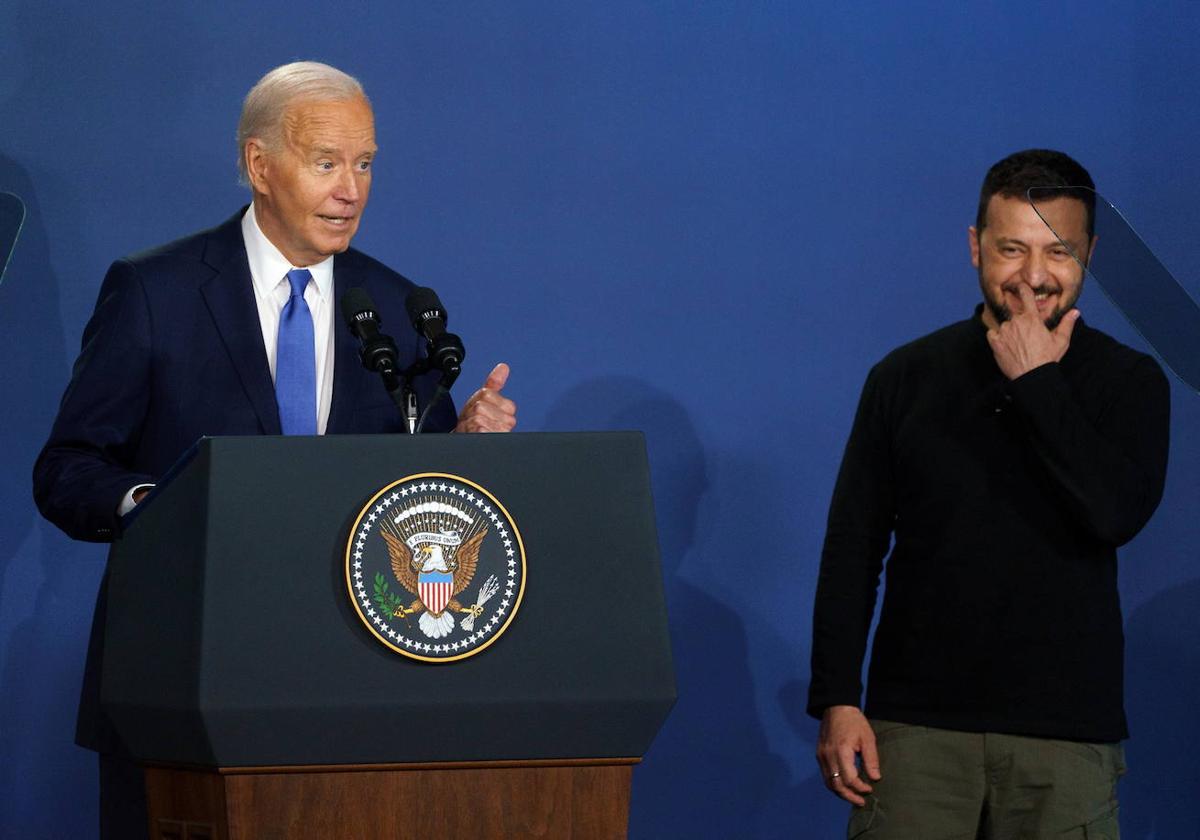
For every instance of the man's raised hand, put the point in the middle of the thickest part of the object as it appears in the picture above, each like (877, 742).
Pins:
(487, 410)
(1023, 342)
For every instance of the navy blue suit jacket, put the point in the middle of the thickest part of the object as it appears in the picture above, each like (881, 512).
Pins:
(174, 351)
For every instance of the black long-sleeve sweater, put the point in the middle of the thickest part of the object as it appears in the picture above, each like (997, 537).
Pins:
(1006, 501)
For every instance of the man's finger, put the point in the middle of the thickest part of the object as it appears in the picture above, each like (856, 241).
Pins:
(496, 407)
(490, 402)
(497, 378)
(849, 771)
(870, 759)
(1067, 325)
(488, 411)
(491, 397)
(1028, 301)
(838, 785)
(853, 781)
(483, 423)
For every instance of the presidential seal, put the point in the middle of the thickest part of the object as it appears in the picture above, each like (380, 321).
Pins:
(435, 567)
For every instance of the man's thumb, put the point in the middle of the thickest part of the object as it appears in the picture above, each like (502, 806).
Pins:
(497, 377)
(1067, 325)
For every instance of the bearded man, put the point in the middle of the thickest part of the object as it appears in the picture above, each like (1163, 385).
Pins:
(1003, 459)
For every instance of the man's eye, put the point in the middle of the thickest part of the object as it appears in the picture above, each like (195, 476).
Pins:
(325, 166)
(1009, 250)
(364, 166)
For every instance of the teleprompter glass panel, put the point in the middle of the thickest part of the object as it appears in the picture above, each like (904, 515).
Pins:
(12, 216)
(1137, 283)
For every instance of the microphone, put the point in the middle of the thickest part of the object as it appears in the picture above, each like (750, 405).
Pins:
(446, 351)
(377, 350)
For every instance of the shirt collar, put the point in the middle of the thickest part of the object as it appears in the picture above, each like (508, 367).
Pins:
(268, 267)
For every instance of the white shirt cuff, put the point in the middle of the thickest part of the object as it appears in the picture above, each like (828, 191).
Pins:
(127, 503)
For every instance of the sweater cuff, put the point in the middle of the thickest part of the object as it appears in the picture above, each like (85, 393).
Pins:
(818, 704)
(1039, 385)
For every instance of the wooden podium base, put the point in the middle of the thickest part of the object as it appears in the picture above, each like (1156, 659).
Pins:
(557, 799)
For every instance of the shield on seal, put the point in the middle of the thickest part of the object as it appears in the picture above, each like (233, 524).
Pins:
(435, 589)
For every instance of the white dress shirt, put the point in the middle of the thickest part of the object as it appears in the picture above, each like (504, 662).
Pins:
(268, 270)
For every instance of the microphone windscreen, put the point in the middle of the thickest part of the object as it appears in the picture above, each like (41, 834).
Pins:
(355, 302)
(422, 302)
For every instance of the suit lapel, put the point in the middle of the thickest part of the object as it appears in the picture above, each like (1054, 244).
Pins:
(347, 368)
(229, 295)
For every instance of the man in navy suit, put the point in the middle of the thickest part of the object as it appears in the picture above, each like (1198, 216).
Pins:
(186, 341)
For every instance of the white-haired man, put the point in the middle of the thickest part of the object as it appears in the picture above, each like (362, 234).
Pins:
(232, 331)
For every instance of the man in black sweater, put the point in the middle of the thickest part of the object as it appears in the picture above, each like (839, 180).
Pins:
(1003, 458)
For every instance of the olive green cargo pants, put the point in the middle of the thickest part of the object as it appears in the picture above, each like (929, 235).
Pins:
(943, 785)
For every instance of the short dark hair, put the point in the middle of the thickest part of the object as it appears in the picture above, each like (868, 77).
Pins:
(1019, 172)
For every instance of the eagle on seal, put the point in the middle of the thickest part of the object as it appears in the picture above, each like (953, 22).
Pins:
(435, 567)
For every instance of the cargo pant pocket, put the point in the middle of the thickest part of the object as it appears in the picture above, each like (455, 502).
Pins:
(862, 819)
(1107, 827)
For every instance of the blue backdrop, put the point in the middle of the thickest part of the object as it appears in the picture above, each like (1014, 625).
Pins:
(701, 220)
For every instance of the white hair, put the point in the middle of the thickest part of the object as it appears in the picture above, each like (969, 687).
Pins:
(265, 104)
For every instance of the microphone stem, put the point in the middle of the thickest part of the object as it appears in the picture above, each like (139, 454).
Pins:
(440, 392)
(410, 409)
(399, 388)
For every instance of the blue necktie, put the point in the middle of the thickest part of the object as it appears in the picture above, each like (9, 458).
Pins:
(295, 362)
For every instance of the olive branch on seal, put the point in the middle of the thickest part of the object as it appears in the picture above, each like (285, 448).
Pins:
(385, 599)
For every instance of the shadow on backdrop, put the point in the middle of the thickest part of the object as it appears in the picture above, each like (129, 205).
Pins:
(28, 320)
(1158, 797)
(825, 813)
(710, 771)
(47, 585)
(94, 107)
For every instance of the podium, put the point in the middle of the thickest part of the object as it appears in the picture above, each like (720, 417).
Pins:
(237, 670)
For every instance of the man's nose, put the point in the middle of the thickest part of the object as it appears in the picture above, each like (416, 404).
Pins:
(1037, 270)
(347, 186)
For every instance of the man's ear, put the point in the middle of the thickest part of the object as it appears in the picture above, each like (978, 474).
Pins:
(257, 160)
(973, 244)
